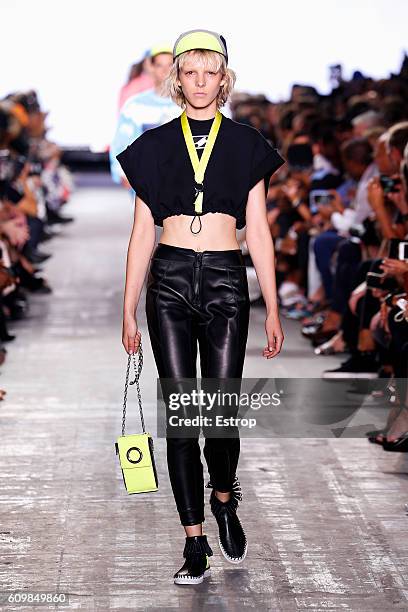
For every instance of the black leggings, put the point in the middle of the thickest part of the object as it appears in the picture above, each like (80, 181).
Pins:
(198, 297)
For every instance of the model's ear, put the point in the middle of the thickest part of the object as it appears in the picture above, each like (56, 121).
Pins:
(178, 78)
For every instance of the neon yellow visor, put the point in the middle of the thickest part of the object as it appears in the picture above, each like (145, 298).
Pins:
(160, 49)
(200, 39)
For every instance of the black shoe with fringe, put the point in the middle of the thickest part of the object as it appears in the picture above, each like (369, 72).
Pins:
(196, 566)
(232, 539)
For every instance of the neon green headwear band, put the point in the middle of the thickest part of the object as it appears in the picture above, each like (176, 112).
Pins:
(160, 49)
(200, 39)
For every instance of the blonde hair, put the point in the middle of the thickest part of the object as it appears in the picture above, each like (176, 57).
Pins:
(208, 59)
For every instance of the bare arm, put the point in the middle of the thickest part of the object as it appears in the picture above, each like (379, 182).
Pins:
(140, 249)
(261, 249)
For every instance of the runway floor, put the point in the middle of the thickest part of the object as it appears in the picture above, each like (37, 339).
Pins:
(324, 516)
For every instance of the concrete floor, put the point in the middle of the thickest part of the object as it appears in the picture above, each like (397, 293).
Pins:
(324, 517)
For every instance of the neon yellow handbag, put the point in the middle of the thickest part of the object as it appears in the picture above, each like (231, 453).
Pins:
(135, 451)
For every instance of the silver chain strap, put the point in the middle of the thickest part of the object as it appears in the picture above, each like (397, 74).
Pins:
(138, 369)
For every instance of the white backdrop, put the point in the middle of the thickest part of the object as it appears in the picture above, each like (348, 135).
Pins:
(77, 54)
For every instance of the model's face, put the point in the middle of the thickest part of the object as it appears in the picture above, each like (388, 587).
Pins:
(160, 67)
(200, 85)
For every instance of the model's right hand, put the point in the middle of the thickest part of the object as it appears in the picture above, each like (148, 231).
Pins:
(131, 336)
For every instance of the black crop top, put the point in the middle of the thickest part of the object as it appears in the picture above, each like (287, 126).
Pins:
(158, 167)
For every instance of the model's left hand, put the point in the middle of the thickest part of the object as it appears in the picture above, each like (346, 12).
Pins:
(275, 336)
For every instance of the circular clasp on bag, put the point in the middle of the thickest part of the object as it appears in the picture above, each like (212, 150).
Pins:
(134, 448)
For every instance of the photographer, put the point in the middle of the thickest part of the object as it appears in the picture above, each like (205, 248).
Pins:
(394, 321)
(385, 224)
(362, 244)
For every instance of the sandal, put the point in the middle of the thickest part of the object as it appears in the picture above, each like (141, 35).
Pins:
(400, 445)
(372, 436)
(327, 348)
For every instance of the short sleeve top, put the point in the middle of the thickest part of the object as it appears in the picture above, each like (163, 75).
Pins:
(158, 167)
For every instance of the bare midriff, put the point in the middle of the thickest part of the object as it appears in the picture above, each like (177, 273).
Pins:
(218, 232)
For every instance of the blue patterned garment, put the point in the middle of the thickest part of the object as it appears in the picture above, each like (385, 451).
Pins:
(140, 112)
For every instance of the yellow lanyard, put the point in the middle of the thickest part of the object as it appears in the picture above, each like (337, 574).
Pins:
(200, 165)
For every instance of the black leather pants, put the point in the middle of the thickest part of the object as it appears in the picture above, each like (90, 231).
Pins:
(199, 298)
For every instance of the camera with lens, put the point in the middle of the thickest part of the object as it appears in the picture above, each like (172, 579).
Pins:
(379, 280)
(398, 249)
(389, 184)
